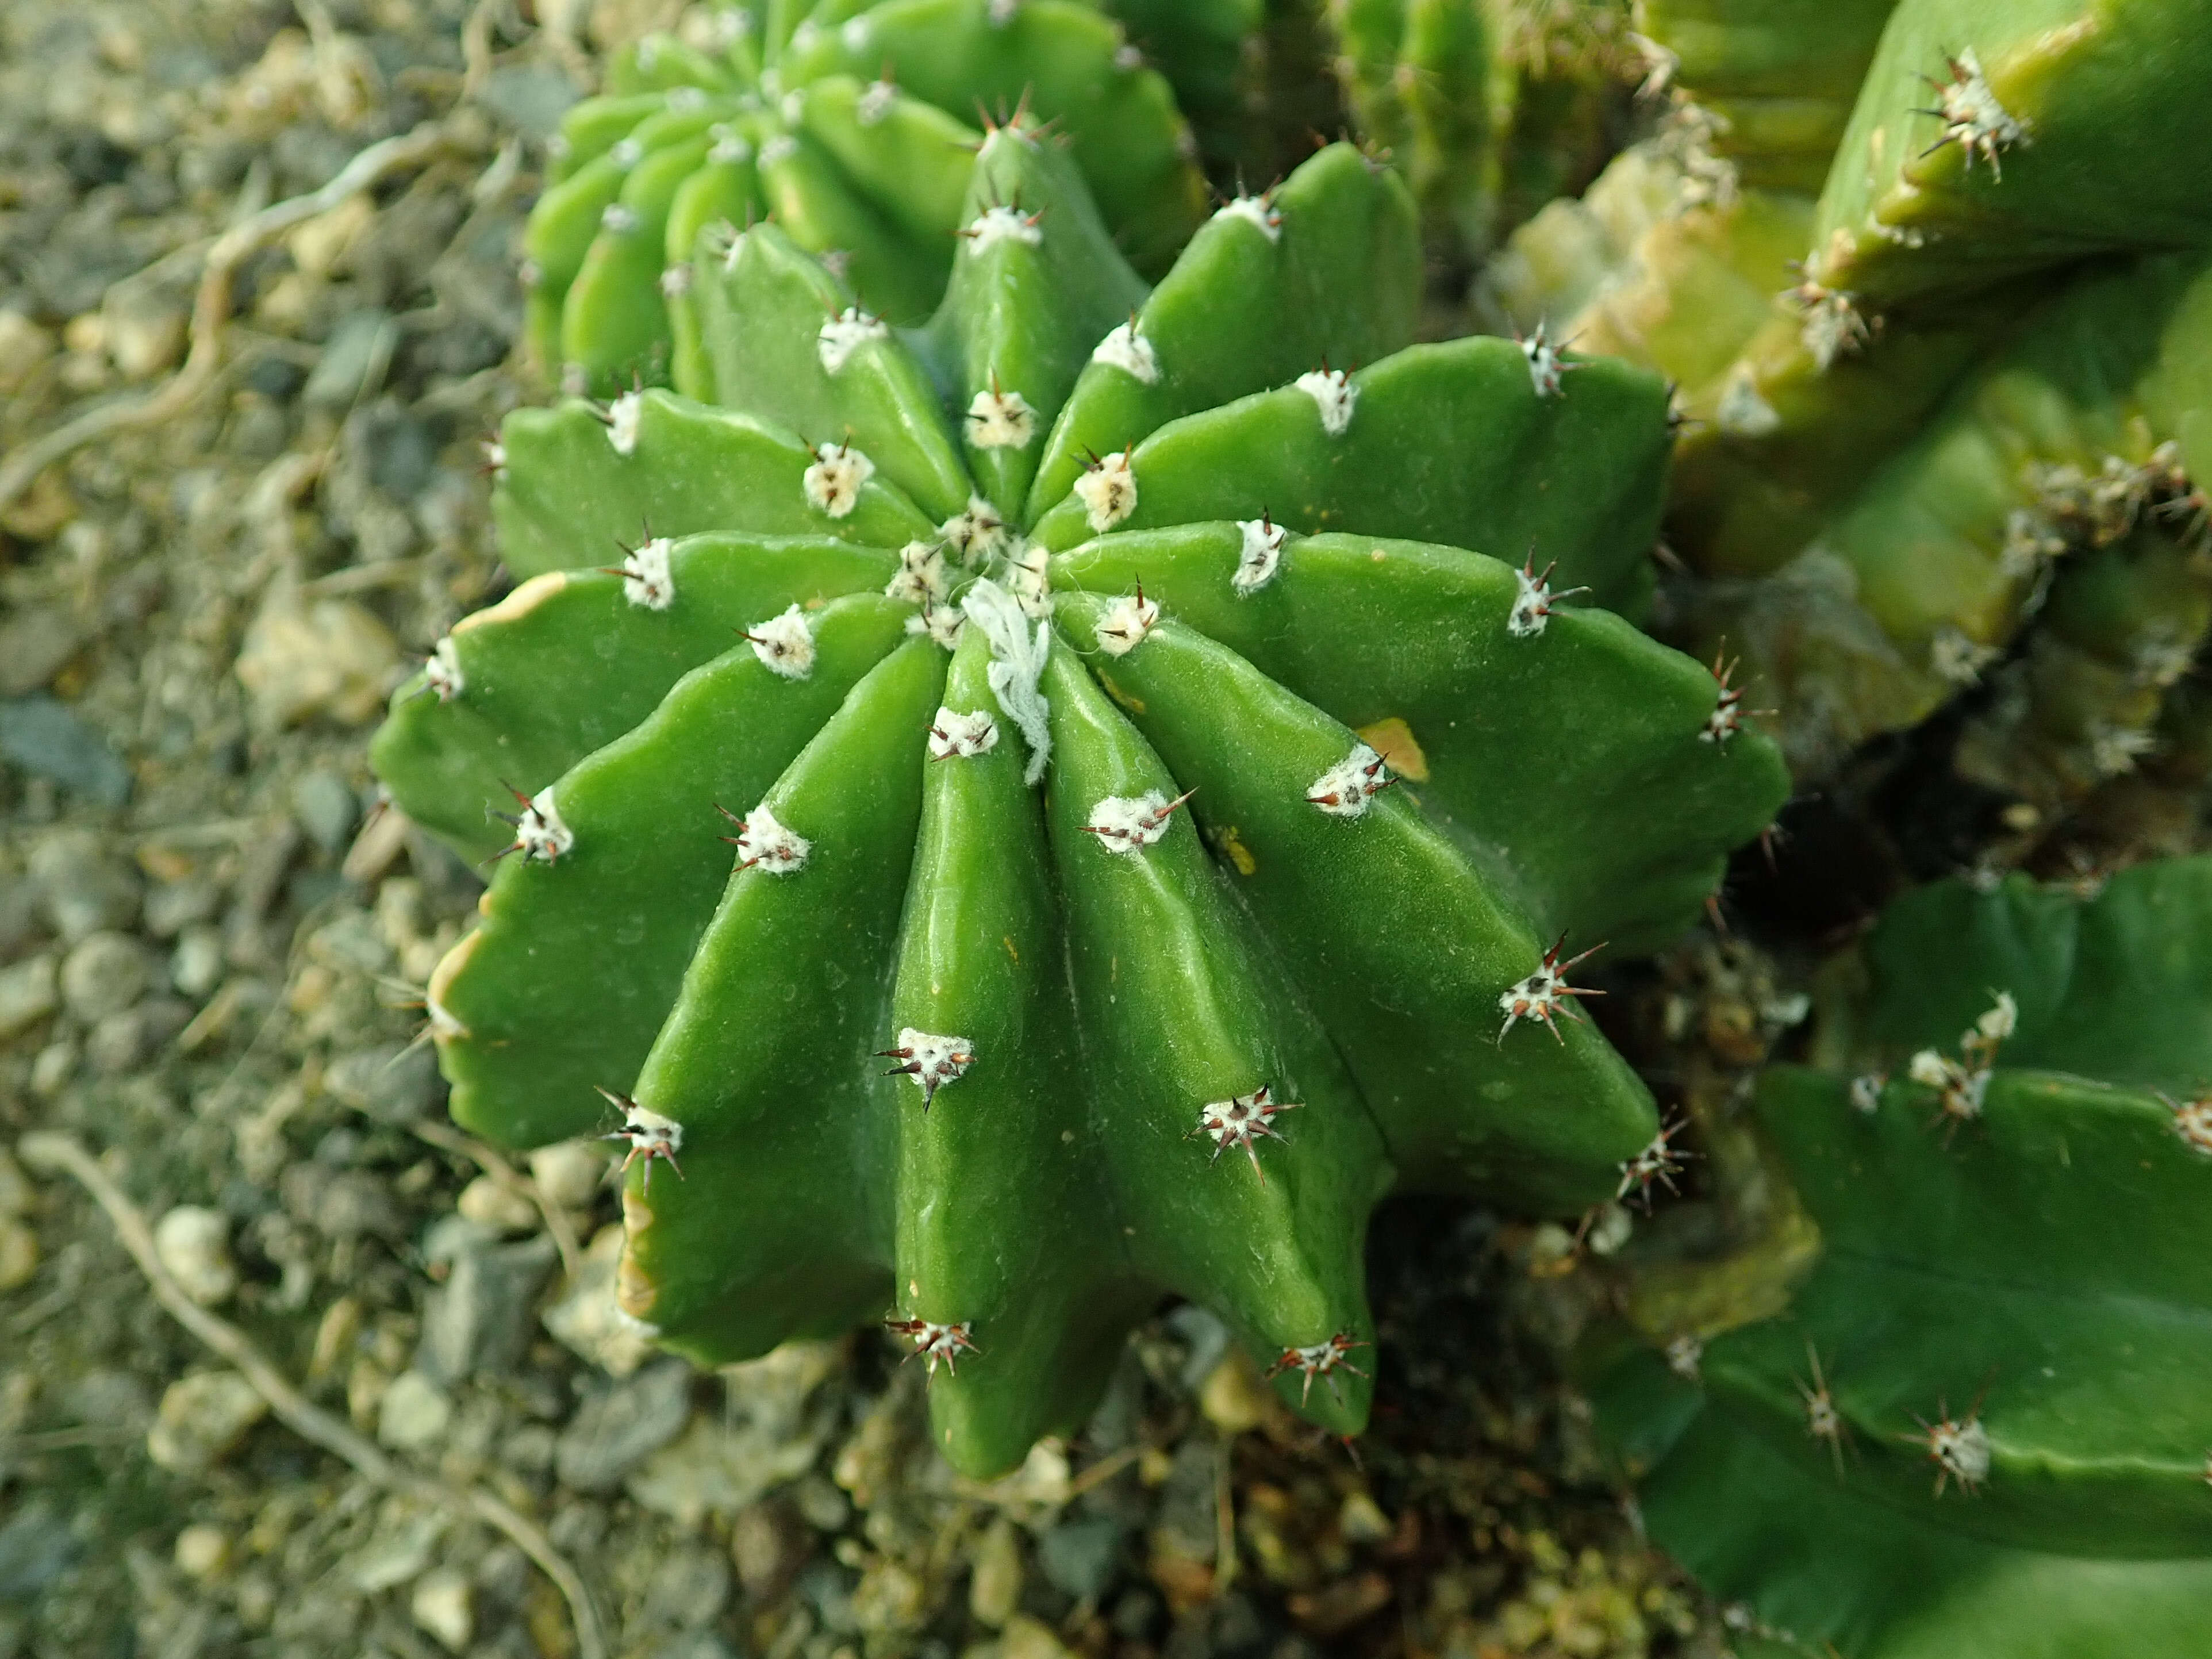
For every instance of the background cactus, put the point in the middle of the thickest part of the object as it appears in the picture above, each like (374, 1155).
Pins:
(1909, 392)
(1177, 1021)
(1979, 1427)
(850, 126)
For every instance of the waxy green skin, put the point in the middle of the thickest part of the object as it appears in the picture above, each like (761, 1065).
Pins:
(2040, 1267)
(847, 126)
(1051, 1191)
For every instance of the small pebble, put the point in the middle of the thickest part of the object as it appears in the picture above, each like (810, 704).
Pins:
(48, 739)
(19, 1254)
(196, 966)
(23, 346)
(569, 1173)
(202, 1420)
(28, 993)
(87, 887)
(325, 806)
(494, 1205)
(994, 1588)
(441, 1606)
(194, 1244)
(105, 974)
(52, 1071)
(330, 658)
(15, 1194)
(202, 1551)
(413, 1414)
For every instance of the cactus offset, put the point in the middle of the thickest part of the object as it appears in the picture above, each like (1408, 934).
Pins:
(1005, 1062)
(1981, 1427)
(848, 128)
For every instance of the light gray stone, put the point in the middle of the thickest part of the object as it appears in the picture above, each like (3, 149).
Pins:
(202, 1420)
(28, 993)
(104, 973)
(85, 885)
(478, 1322)
(617, 1428)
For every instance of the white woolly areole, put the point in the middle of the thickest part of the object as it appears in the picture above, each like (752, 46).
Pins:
(1956, 657)
(875, 101)
(1125, 349)
(846, 333)
(794, 107)
(1002, 12)
(1866, 1092)
(1003, 224)
(1333, 394)
(784, 644)
(1001, 420)
(2192, 1119)
(765, 844)
(943, 623)
(1685, 1354)
(932, 1061)
(1108, 491)
(627, 154)
(675, 282)
(1018, 651)
(616, 220)
(1344, 789)
(443, 670)
(538, 830)
(730, 147)
(1972, 116)
(1257, 210)
(774, 152)
(1533, 600)
(922, 578)
(1126, 623)
(642, 1122)
(833, 483)
(853, 35)
(623, 416)
(646, 577)
(1261, 557)
(685, 99)
(1029, 579)
(1129, 824)
(978, 534)
(954, 736)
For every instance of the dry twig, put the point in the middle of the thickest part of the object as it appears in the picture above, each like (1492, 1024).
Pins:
(212, 306)
(51, 1153)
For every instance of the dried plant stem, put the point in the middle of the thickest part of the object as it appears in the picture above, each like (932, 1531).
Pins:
(212, 306)
(48, 1151)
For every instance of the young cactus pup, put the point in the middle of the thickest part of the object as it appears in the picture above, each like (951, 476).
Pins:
(1019, 923)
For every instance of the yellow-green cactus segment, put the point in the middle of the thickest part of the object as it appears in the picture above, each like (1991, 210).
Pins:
(1782, 76)
(936, 999)
(1951, 543)
(853, 137)
(2003, 1449)
(2055, 132)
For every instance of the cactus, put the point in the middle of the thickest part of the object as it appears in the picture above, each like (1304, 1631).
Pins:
(1981, 1426)
(847, 126)
(1013, 1061)
(1899, 439)
(1490, 108)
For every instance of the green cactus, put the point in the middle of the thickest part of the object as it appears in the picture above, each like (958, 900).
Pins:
(1981, 1427)
(847, 125)
(1179, 558)
(1490, 108)
(1964, 405)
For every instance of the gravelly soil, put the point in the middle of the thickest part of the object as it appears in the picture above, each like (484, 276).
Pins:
(207, 936)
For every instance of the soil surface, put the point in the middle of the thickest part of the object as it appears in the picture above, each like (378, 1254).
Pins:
(208, 933)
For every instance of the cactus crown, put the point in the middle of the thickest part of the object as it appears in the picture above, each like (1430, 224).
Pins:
(1981, 1427)
(848, 126)
(1052, 667)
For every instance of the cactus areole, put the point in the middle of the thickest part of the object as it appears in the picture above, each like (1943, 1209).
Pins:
(1043, 813)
